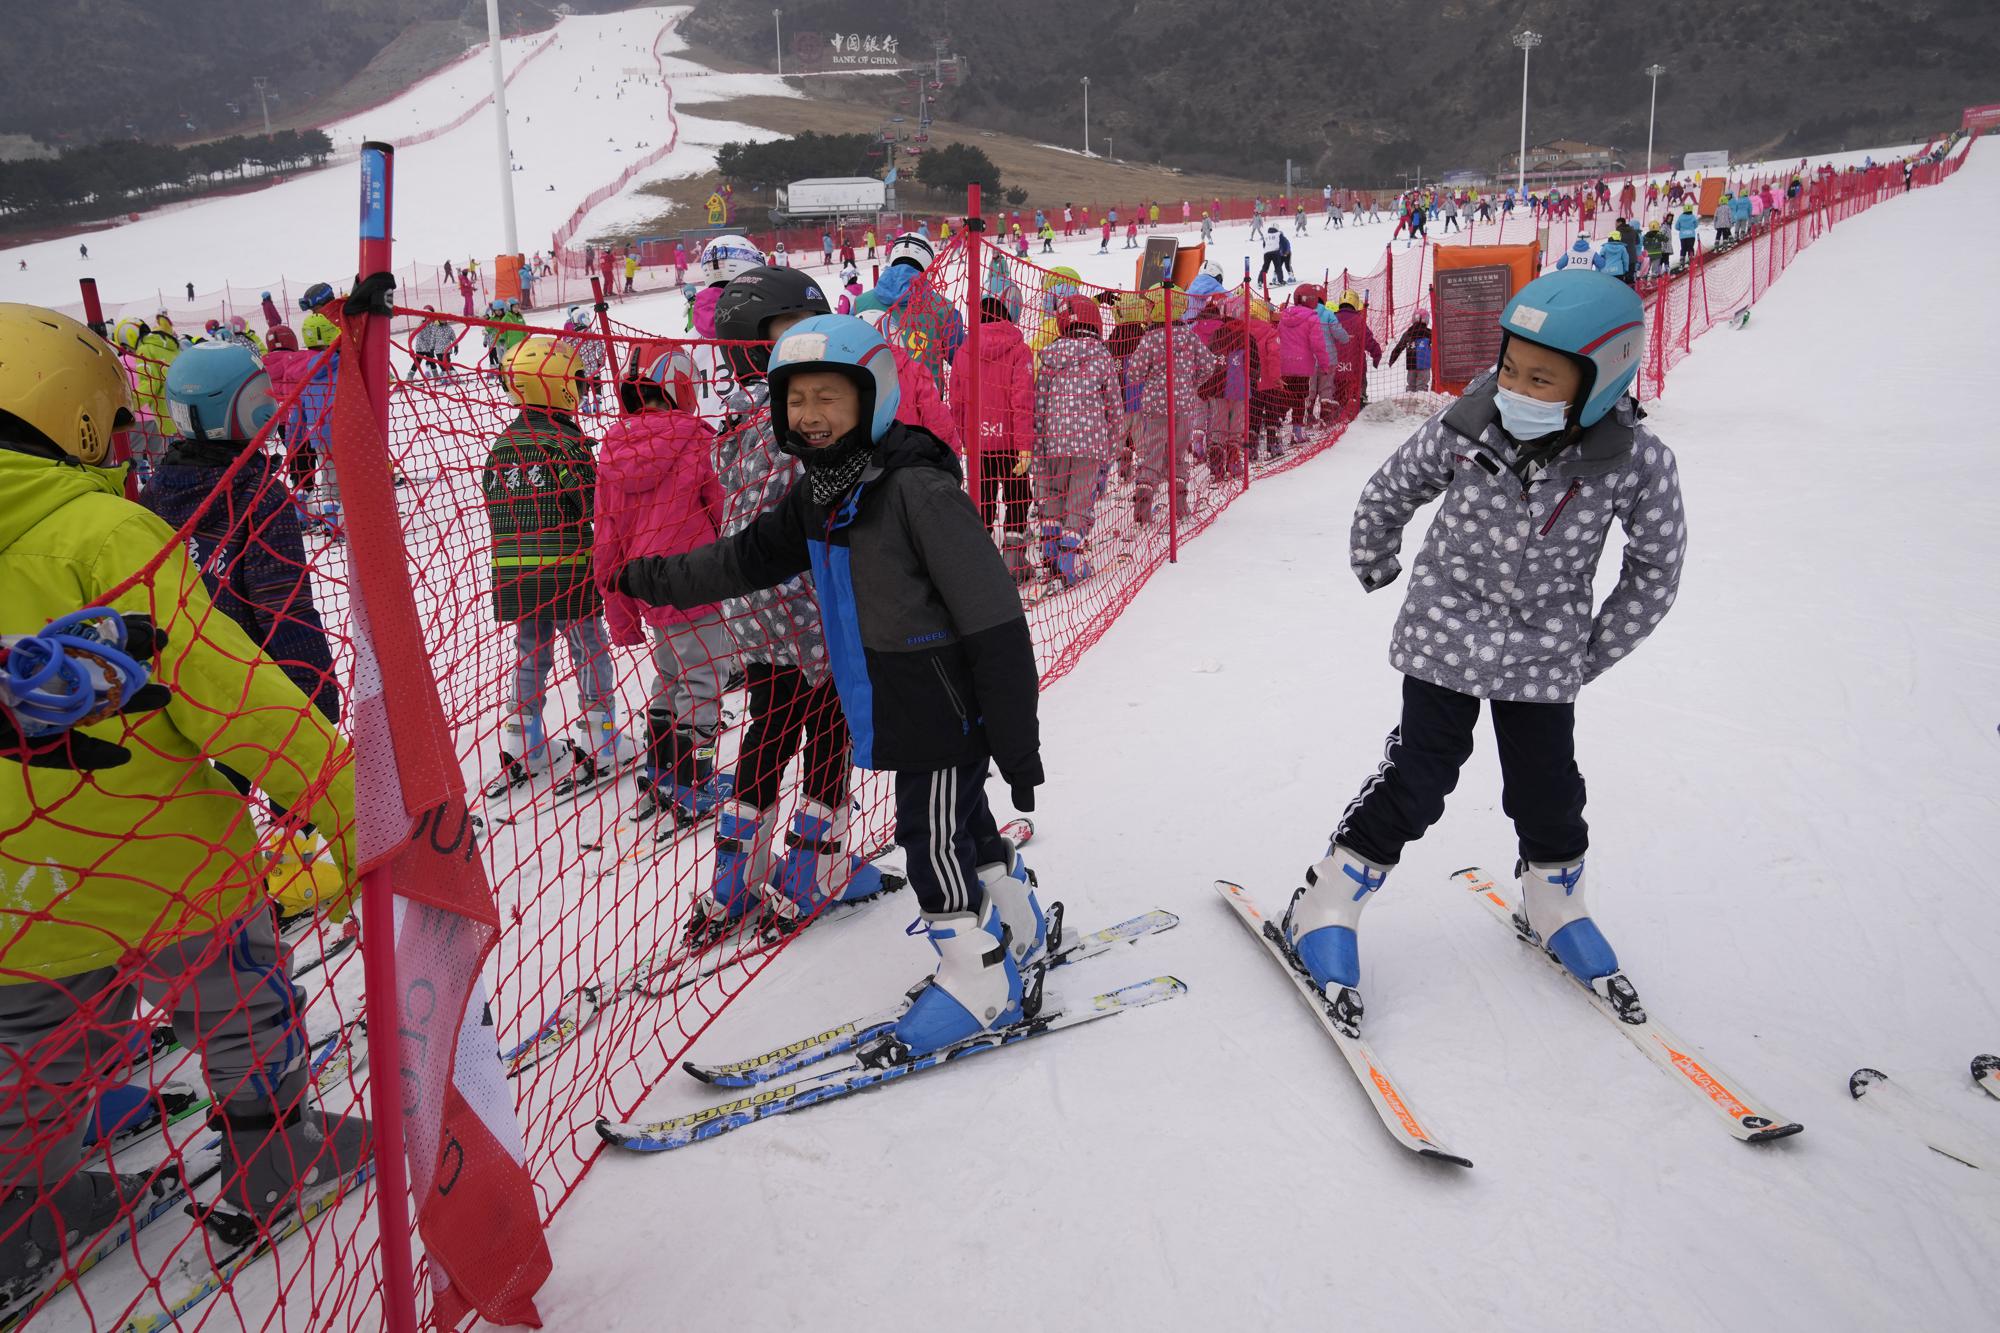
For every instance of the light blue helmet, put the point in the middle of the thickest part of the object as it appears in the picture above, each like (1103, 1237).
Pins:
(845, 344)
(219, 391)
(1590, 317)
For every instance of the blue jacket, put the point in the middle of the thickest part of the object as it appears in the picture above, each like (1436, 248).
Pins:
(252, 556)
(1687, 224)
(929, 646)
(1614, 258)
(929, 324)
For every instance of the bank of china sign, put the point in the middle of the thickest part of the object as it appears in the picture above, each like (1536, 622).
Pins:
(855, 49)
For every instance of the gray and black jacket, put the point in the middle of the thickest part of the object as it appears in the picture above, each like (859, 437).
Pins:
(929, 645)
(1499, 604)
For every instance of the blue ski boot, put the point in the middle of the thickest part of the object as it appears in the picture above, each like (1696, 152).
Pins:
(1320, 924)
(1553, 913)
(1010, 887)
(1051, 542)
(598, 760)
(975, 989)
(744, 866)
(818, 868)
(1070, 561)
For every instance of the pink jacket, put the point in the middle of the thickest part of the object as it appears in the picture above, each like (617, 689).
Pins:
(657, 494)
(288, 370)
(704, 310)
(1301, 344)
(1006, 389)
(919, 404)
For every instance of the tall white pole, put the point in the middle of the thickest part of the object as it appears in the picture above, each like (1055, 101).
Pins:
(511, 235)
(1652, 115)
(1527, 41)
(1086, 115)
(778, 34)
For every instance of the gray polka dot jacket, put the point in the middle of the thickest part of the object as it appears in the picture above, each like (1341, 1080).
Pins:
(778, 625)
(1499, 603)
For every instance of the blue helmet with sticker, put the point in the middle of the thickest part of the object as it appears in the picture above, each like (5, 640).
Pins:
(1591, 317)
(219, 391)
(839, 343)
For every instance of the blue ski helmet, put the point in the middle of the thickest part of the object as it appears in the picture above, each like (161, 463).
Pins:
(1590, 317)
(845, 344)
(316, 296)
(219, 391)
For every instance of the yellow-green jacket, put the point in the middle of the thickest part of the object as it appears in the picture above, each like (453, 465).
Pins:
(95, 866)
(150, 359)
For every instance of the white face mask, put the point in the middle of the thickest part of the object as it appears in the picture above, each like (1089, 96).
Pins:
(1527, 418)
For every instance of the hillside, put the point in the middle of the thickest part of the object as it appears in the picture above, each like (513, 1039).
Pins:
(177, 72)
(1370, 90)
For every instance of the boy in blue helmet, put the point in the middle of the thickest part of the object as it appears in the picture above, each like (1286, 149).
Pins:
(1535, 462)
(930, 648)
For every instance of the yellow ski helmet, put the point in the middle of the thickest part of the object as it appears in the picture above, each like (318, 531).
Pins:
(303, 879)
(1350, 300)
(62, 381)
(542, 372)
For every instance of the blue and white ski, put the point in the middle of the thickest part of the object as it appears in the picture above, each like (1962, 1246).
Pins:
(794, 1056)
(849, 1076)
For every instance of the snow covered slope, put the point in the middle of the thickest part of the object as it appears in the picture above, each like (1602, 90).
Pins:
(1793, 790)
(578, 113)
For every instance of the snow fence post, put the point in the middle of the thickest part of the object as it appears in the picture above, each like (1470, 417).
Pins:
(975, 410)
(604, 327)
(1249, 381)
(378, 906)
(1173, 442)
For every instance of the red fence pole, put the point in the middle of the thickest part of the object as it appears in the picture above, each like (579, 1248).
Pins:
(378, 907)
(974, 415)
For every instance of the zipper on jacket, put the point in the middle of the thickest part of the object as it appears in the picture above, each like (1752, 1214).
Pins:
(957, 705)
(1561, 505)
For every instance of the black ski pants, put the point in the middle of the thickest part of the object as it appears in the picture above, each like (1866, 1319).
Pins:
(947, 831)
(1541, 789)
(787, 715)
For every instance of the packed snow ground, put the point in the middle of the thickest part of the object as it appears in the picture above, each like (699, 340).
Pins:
(1794, 807)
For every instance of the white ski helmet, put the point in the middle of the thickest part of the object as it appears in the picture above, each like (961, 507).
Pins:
(726, 256)
(1212, 269)
(914, 248)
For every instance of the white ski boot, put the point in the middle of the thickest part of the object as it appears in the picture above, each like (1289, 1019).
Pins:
(1553, 913)
(976, 988)
(1320, 928)
(1009, 887)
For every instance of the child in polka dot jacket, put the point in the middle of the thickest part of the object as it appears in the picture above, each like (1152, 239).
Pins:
(1534, 463)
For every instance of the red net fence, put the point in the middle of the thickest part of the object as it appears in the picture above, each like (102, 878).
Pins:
(398, 653)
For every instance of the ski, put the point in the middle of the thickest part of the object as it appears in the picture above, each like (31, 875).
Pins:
(794, 1056)
(240, 1257)
(1391, 1103)
(1748, 1119)
(1939, 1131)
(851, 1075)
(173, 1182)
(1986, 1073)
(579, 1008)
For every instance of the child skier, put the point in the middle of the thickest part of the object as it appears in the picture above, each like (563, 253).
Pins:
(538, 483)
(1079, 423)
(1350, 377)
(1552, 438)
(1003, 426)
(99, 918)
(926, 320)
(794, 712)
(657, 494)
(250, 552)
(1302, 354)
(1416, 341)
(722, 260)
(1165, 422)
(935, 666)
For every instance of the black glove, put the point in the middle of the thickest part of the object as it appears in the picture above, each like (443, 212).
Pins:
(1021, 785)
(1023, 796)
(604, 307)
(372, 295)
(975, 224)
